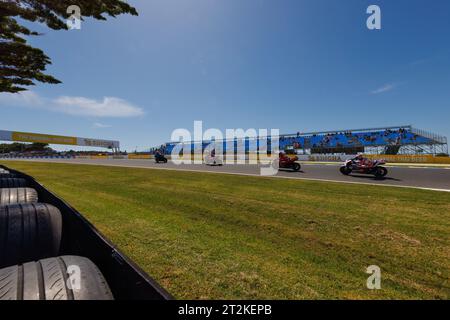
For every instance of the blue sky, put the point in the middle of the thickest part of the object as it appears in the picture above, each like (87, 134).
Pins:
(296, 65)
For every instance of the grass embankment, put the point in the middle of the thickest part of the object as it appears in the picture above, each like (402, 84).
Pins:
(225, 236)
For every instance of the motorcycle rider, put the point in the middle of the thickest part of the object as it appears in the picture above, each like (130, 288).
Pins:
(283, 157)
(363, 162)
(159, 155)
(287, 162)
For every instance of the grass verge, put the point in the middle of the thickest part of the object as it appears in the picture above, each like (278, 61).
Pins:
(214, 236)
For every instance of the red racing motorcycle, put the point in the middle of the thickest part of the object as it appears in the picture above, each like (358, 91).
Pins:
(289, 163)
(371, 167)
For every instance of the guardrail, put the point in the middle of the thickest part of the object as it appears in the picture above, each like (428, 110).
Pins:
(432, 136)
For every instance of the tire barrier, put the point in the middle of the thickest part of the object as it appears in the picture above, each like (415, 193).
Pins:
(12, 183)
(41, 241)
(47, 279)
(7, 175)
(30, 232)
(17, 195)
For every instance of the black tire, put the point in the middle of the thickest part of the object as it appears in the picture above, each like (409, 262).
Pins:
(47, 279)
(29, 232)
(7, 175)
(13, 183)
(165, 160)
(17, 195)
(296, 167)
(381, 172)
(345, 170)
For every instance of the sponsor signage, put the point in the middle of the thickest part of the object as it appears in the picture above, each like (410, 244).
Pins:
(42, 138)
(325, 157)
(97, 143)
(55, 139)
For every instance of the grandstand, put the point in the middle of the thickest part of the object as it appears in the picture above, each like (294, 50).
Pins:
(383, 140)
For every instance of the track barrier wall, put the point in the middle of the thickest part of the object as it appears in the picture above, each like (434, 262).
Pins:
(412, 158)
(313, 158)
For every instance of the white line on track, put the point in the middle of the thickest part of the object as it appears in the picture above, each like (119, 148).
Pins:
(250, 175)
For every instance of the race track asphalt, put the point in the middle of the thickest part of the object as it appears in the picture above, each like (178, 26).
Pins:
(417, 177)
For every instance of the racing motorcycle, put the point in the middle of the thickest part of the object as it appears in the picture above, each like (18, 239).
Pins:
(290, 163)
(160, 158)
(213, 160)
(376, 168)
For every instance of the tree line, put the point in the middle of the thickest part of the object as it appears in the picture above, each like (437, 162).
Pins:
(22, 147)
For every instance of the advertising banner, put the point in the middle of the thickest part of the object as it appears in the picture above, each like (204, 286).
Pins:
(55, 139)
(325, 157)
(43, 138)
(406, 158)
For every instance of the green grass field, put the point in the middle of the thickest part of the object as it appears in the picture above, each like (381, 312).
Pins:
(214, 236)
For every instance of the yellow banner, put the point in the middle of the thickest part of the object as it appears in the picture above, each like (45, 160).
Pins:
(411, 158)
(43, 138)
(138, 156)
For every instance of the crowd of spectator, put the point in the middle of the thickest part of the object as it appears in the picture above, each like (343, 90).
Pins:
(352, 139)
(339, 139)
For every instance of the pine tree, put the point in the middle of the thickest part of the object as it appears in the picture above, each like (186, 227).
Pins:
(21, 64)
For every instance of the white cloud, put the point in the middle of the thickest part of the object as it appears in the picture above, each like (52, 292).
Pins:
(101, 125)
(385, 88)
(25, 98)
(109, 107)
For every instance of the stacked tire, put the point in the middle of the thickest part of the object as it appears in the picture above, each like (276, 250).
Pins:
(17, 195)
(13, 183)
(7, 175)
(30, 243)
